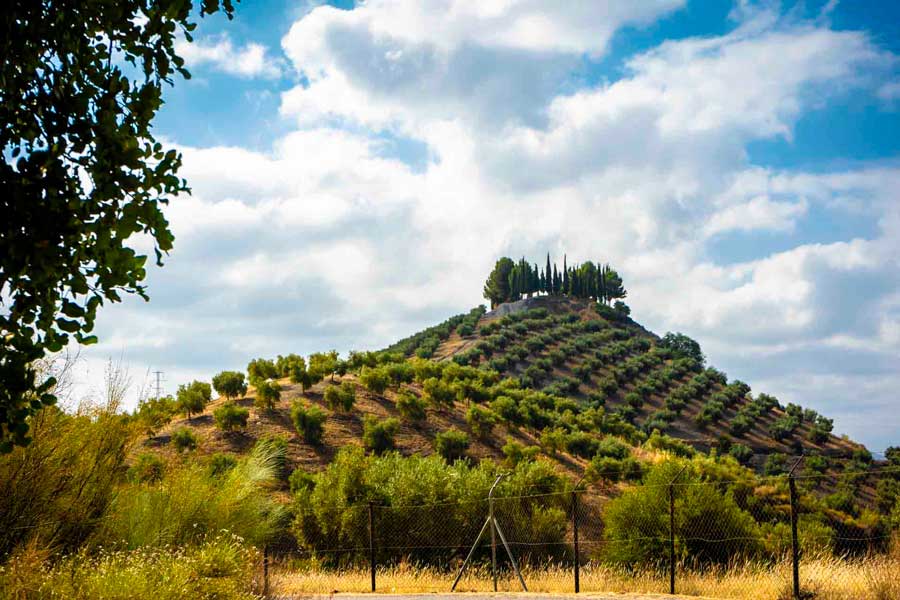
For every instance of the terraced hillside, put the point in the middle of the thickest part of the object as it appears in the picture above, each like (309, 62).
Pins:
(553, 374)
(583, 351)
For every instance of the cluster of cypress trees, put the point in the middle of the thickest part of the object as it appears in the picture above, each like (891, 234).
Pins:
(510, 281)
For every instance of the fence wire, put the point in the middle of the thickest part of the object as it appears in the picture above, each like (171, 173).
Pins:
(730, 539)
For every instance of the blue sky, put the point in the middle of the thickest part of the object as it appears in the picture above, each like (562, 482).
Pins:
(357, 170)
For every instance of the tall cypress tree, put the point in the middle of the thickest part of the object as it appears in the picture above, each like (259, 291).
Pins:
(565, 277)
(549, 286)
(555, 280)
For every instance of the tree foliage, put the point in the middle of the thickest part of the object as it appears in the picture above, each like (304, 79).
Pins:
(637, 522)
(230, 384)
(267, 394)
(309, 420)
(340, 397)
(152, 414)
(451, 444)
(193, 397)
(683, 346)
(378, 434)
(510, 281)
(230, 416)
(260, 369)
(81, 174)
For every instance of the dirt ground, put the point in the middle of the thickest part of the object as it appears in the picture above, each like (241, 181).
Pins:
(496, 596)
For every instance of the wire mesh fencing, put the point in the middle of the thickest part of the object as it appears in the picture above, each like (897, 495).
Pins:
(760, 538)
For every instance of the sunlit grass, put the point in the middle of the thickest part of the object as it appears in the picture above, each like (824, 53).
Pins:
(873, 578)
(222, 568)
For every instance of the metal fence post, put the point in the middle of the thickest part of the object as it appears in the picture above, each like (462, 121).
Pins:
(372, 542)
(671, 539)
(266, 571)
(672, 528)
(795, 541)
(575, 540)
(795, 544)
(493, 541)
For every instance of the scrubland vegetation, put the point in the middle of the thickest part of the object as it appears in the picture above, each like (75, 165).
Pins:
(569, 396)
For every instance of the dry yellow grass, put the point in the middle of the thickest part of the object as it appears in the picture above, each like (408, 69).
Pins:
(874, 578)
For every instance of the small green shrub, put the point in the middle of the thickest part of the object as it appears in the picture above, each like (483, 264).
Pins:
(516, 453)
(740, 425)
(480, 420)
(506, 408)
(378, 435)
(451, 444)
(220, 464)
(775, 464)
(410, 406)
(611, 447)
(184, 439)
(230, 416)
(634, 399)
(301, 481)
(340, 397)
(147, 468)
(309, 422)
(582, 444)
(553, 440)
(153, 414)
(375, 380)
(267, 394)
(661, 441)
(613, 469)
(438, 393)
(741, 453)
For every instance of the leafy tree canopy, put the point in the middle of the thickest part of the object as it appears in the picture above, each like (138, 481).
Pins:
(230, 384)
(683, 346)
(81, 173)
(193, 397)
(510, 281)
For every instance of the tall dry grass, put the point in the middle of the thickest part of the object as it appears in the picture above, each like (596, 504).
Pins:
(828, 578)
(219, 568)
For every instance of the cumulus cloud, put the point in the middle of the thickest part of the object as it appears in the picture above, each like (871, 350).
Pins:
(329, 239)
(249, 60)
(400, 64)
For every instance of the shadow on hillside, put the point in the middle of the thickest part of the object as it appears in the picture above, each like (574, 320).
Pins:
(158, 441)
(239, 441)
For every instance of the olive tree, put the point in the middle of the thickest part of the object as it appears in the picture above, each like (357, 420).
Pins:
(193, 397)
(230, 384)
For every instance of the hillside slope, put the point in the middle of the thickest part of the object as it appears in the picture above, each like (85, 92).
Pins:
(622, 350)
(587, 357)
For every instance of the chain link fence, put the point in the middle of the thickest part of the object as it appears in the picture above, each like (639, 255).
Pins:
(770, 537)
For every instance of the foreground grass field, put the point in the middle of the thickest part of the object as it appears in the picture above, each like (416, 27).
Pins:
(829, 578)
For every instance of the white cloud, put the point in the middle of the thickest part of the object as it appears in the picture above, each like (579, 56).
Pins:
(400, 64)
(249, 60)
(325, 241)
(757, 213)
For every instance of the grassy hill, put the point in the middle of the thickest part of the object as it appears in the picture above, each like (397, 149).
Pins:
(567, 359)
